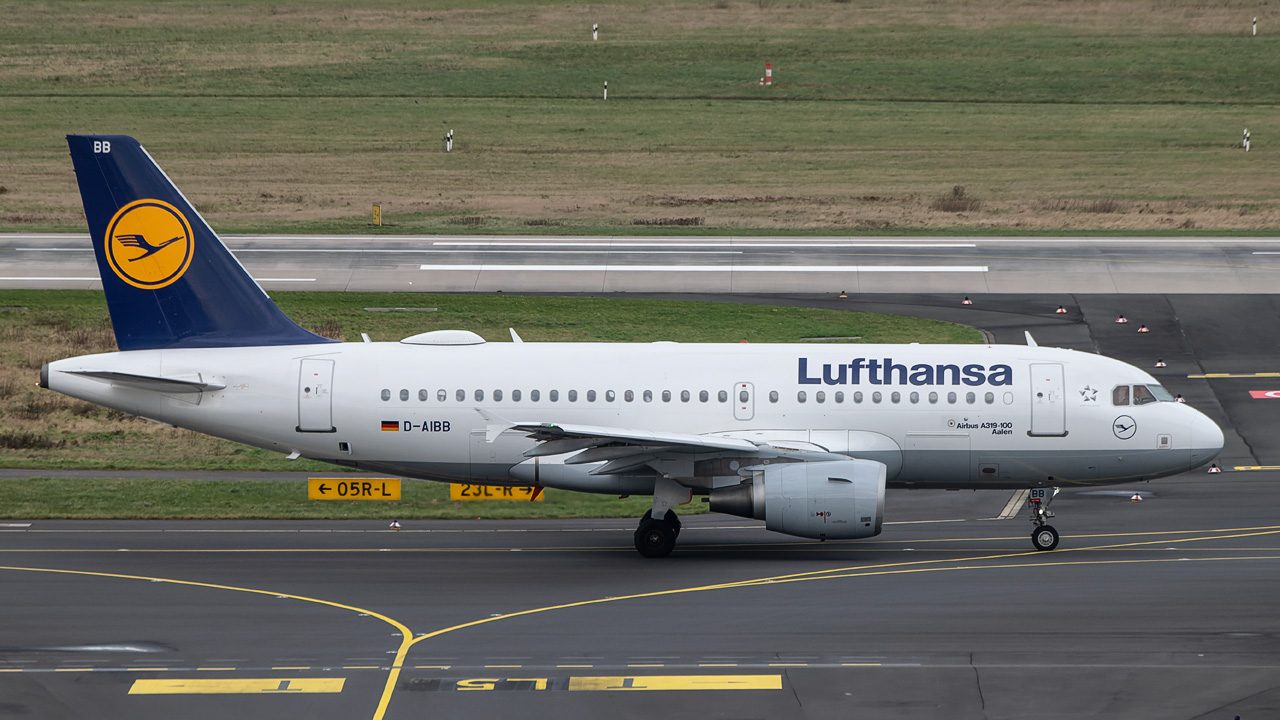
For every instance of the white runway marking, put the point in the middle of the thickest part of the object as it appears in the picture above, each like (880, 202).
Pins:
(726, 243)
(1014, 505)
(75, 279)
(713, 268)
(285, 279)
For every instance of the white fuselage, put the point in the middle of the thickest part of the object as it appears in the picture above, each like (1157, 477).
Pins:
(955, 416)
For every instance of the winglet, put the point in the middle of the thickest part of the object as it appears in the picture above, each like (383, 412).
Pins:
(168, 279)
(1031, 342)
(496, 425)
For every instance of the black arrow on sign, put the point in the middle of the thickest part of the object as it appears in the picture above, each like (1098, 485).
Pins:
(324, 489)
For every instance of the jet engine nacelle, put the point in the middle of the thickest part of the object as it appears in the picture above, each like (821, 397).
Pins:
(841, 499)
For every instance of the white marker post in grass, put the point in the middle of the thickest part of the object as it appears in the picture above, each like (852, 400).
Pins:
(448, 141)
(595, 30)
(1246, 140)
(606, 89)
(1255, 26)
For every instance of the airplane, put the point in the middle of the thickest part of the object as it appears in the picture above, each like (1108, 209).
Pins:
(806, 438)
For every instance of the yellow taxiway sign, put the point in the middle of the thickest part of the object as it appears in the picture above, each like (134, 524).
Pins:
(344, 489)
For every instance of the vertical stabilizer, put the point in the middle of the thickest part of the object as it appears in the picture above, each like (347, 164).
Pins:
(169, 280)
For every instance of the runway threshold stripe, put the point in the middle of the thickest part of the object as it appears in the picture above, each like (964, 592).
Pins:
(713, 268)
(1014, 505)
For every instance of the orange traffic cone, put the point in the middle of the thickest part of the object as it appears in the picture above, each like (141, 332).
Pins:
(966, 301)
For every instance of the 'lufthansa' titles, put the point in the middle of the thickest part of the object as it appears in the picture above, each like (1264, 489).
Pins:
(884, 371)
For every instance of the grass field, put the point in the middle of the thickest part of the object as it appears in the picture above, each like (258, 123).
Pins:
(40, 498)
(296, 116)
(42, 429)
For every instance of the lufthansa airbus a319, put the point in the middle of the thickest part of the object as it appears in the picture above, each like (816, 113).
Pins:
(805, 438)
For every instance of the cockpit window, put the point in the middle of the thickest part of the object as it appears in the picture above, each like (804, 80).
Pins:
(1161, 394)
(1142, 396)
(1120, 395)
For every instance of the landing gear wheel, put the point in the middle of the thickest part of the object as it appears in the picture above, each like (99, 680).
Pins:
(655, 538)
(670, 518)
(1044, 537)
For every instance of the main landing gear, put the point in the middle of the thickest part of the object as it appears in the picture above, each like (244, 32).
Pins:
(657, 538)
(1044, 537)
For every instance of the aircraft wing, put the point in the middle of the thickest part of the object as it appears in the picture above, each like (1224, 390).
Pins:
(623, 449)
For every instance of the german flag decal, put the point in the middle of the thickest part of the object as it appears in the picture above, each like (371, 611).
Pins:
(390, 425)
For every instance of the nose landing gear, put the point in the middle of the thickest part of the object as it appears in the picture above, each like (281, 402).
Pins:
(1044, 537)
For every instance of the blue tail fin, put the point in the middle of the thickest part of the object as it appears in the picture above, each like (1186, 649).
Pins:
(169, 280)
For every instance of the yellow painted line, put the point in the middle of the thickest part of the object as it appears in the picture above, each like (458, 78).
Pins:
(432, 667)
(643, 665)
(1236, 375)
(73, 669)
(1256, 467)
(678, 682)
(10, 669)
(238, 686)
(717, 664)
(575, 666)
(151, 669)
(290, 667)
(216, 669)
(404, 630)
(364, 667)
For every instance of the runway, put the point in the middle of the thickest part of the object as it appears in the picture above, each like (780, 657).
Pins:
(704, 264)
(1156, 609)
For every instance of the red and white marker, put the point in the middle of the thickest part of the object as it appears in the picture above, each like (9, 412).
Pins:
(1160, 363)
(1060, 311)
(1121, 320)
(1214, 468)
(966, 301)
(1136, 498)
(768, 73)
(395, 525)
(1143, 328)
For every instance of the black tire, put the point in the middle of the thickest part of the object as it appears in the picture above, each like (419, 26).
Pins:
(1044, 538)
(673, 520)
(655, 539)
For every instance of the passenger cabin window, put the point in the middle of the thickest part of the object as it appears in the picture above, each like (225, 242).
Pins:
(461, 395)
(573, 396)
(1120, 395)
(820, 396)
(857, 397)
(801, 397)
(773, 396)
(839, 396)
(441, 395)
(404, 395)
(497, 396)
(609, 396)
(534, 395)
(703, 396)
(648, 396)
(554, 395)
(723, 396)
(684, 396)
(515, 396)
(628, 396)
(876, 397)
(666, 396)
(591, 396)
(386, 394)
(479, 395)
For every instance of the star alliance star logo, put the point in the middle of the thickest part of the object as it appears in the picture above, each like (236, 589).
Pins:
(1089, 394)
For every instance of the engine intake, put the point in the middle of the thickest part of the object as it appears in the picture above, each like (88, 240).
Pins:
(839, 500)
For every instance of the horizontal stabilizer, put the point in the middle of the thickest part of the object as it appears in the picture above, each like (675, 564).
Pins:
(193, 384)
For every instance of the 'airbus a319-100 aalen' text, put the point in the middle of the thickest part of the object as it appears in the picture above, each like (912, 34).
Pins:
(804, 438)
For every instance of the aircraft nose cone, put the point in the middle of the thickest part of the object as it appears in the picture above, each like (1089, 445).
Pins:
(1206, 439)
